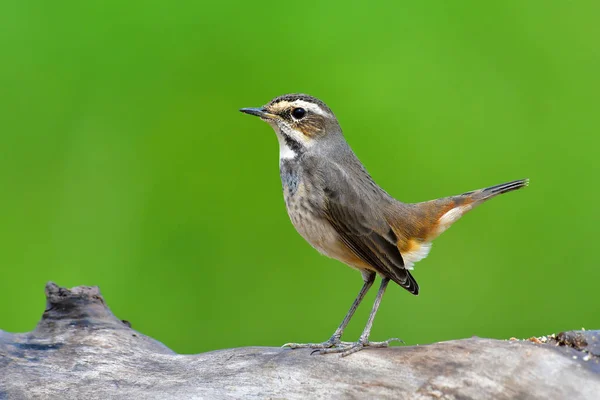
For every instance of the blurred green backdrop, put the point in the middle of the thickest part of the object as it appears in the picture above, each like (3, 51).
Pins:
(125, 163)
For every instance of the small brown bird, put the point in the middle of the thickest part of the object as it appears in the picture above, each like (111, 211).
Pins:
(337, 207)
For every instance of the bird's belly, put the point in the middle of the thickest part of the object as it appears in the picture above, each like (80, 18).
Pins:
(316, 231)
(319, 233)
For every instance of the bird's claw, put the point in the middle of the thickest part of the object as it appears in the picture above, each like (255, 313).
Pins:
(333, 342)
(349, 348)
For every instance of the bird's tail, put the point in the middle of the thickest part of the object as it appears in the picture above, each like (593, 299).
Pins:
(481, 195)
(444, 212)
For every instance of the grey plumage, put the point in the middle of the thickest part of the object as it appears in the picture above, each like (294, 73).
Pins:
(338, 208)
(346, 198)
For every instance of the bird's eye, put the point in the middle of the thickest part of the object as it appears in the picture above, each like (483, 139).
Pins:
(298, 113)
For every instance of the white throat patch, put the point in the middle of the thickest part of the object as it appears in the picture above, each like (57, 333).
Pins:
(285, 153)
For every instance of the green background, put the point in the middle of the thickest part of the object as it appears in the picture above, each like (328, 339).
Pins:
(125, 163)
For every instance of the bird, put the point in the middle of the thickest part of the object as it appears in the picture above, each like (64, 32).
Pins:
(336, 206)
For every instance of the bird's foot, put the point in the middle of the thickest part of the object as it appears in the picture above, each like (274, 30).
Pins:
(333, 342)
(346, 348)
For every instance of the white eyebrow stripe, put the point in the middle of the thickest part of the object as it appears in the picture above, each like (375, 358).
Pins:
(310, 107)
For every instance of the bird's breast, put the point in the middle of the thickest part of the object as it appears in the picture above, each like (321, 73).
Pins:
(302, 212)
(302, 203)
(301, 200)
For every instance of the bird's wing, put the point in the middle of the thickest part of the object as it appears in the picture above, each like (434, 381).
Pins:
(366, 233)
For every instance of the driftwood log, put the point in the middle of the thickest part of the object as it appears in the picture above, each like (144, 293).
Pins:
(80, 350)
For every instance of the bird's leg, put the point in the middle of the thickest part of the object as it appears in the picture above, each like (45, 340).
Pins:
(334, 340)
(349, 348)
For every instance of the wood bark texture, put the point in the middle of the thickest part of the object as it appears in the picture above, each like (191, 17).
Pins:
(80, 350)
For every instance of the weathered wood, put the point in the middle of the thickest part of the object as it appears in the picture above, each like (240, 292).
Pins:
(80, 350)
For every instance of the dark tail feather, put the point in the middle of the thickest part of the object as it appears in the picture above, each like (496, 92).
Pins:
(406, 280)
(493, 191)
(411, 284)
(448, 210)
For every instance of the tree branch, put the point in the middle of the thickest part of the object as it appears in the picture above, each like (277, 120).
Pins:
(80, 350)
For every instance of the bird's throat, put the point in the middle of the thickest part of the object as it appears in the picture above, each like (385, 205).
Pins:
(289, 148)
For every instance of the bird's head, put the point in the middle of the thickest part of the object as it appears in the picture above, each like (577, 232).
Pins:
(302, 123)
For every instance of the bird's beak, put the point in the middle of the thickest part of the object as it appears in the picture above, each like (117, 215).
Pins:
(259, 112)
